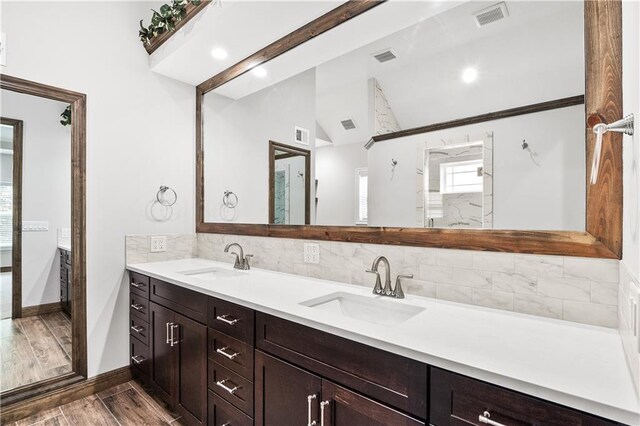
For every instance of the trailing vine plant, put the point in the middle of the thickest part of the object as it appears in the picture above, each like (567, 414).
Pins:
(165, 19)
(66, 116)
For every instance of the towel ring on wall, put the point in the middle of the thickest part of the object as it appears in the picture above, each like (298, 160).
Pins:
(229, 199)
(163, 189)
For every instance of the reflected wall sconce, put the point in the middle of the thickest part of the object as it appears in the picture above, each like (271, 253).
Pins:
(624, 126)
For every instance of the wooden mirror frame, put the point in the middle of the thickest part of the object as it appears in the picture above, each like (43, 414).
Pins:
(14, 399)
(291, 152)
(603, 102)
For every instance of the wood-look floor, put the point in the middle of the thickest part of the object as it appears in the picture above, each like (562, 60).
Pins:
(33, 349)
(125, 405)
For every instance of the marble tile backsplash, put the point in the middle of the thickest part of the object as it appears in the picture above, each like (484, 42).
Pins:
(179, 246)
(574, 289)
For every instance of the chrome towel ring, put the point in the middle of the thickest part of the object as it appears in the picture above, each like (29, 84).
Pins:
(161, 194)
(230, 200)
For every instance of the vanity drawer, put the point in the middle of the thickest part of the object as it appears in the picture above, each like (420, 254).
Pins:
(231, 386)
(139, 284)
(231, 353)
(389, 378)
(139, 356)
(139, 329)
(189, 303)
(456, 399)
(234, 320)
(221, 413)
(139, 307)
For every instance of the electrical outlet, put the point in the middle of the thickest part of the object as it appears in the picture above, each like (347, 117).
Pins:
(35, 226)
(311, 253)
(158, 243)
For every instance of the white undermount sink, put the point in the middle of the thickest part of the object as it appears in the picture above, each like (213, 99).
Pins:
(377, 310)
(213, 274)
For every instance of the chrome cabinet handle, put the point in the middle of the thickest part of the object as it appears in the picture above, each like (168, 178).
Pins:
(232, 391)
(137, 285)
(137, 359)
(323, 405)
(173, 340)
(224, 319)
(137, 307)
(485, 418)
(309, 399)
(168, 325)
(137, 328)
(223, 352)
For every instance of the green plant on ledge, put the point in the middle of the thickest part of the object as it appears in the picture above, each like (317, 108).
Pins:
(66, 116)
(165, 20)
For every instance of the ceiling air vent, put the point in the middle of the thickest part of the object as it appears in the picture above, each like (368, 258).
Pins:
(348, 124)
(491, 14)
(384, 56)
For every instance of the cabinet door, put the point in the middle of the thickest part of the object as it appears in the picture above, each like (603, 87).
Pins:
(342, 407)
(191, 370)
(162, 355)
(281, 393)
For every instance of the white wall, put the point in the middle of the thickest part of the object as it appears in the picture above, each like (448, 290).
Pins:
(549, 197)
(236, 144)
(46, 190)
(140, 135)
(335, 170)
(6, 175)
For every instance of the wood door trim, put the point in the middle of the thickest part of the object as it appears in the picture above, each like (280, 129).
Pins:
(78, 228)
(46, 397)
(16, 217)
(45, 308)
(603, 95)
(291, 152)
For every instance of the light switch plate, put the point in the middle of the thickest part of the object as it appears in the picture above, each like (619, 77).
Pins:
(311, 253)
(35, 226)
(3, 49)
(158, 243)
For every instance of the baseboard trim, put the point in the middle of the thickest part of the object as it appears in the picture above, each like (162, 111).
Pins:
(5, 268)
(20, 409)
(46, 308)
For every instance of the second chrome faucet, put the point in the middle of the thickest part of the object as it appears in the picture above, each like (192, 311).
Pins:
(387, 290)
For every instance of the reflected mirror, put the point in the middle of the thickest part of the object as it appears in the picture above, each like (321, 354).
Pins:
(35, 183)
(413, 115)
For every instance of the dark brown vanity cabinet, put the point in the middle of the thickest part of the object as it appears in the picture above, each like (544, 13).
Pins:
(286, 394)
(66, 294)
(222, 364)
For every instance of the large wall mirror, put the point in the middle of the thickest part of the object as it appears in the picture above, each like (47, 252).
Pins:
(42, 309)
(452, 124)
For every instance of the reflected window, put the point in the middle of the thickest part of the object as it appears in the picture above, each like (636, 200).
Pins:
(362, 196)
(462, 176)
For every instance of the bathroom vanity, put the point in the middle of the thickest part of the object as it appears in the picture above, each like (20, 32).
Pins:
(228, 347)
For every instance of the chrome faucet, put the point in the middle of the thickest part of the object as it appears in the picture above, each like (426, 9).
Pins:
(242, 261)
(387, 290)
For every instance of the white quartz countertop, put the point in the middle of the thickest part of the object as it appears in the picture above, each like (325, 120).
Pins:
(64, 245)
(575, 365)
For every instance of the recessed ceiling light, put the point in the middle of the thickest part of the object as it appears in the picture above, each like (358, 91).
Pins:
(219, 53)
(469, 75)
(259, 72)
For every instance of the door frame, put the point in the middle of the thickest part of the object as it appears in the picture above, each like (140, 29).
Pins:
(291, 151)
(38, 392)
(16, 217)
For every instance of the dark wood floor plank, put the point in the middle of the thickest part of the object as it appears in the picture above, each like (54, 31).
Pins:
(155, 402)
(88, 411)
(9, 327)
(56, 319)
(16, 348)
(114, 390)
(130, 408)
(47, 350)
(20, 373)
(40, 417)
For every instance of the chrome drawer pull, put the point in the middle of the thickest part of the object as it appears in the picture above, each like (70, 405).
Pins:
(137, 307)
(323, 405)
(137, 359)
(485, 418)
(309, 399)
(137, 285)
(173, 341)
(137, 328)
(223, 352)
(232, 391)
(224, 319)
